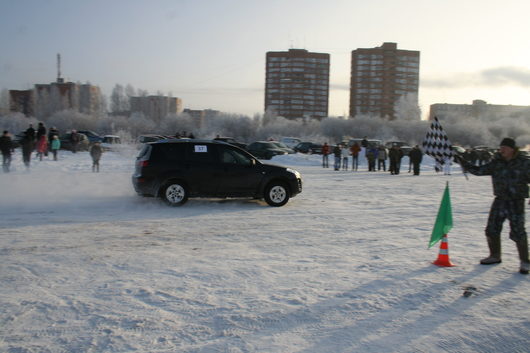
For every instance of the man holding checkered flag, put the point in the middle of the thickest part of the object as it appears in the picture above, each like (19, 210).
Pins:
(437, 145)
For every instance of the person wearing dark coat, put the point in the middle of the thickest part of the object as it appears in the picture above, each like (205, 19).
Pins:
(371, 156)
(41, 131)
(510, 175)
(337, 153)
(394, 155)
(6, 146)
(28, 145)
(416, 156)
(74, 140)
(30, 133)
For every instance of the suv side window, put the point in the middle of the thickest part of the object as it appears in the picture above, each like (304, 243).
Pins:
(170, 152)
(143, 152)
(173, 152)
(230, 156)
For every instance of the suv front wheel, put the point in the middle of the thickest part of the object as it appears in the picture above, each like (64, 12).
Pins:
(276, 194)
(174, 193)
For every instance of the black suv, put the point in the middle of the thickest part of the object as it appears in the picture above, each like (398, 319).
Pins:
(177, 169)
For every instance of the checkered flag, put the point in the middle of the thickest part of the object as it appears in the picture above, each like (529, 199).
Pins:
(437, 145)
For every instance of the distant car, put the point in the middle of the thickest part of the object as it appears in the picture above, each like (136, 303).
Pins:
(405, 148)
(264, 149)
(290, 141)
(308, 147)
(16, 140)
(390, 144)
(91, 135)
(82, 145)
(371, 142)
(458, 149)
(283, 147)
(109, 142)
(177, 169)
(111, 139)
(231, 141)
(150, 138)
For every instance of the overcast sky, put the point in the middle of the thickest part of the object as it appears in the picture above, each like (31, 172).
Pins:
(212, 53)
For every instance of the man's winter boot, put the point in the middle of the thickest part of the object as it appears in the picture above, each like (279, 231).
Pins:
(522, 248)
(495, 251)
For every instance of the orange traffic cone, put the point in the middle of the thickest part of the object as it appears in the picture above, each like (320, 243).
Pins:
(443, 256)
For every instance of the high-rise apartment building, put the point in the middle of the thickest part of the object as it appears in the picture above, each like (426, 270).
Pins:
(156, 107)
(297, 84)
(46, 99)
(380, 76)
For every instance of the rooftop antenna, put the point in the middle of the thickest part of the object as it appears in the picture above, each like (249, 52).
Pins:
(59, 78)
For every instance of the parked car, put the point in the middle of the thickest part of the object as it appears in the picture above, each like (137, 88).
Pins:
(232, 141)
(175, 170)
(403, 145)
(371, 142)
(283, 147)
(458, 149)
(264, 149)
(150, 138)
(109, 142)
(82, 145)
(290, 141)
(308, 147)
(16, 140)
(91, 135)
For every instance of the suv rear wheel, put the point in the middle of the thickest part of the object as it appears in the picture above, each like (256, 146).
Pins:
(174, 193)
(276, 194)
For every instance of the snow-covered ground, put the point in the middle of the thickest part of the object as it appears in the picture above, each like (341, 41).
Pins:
(88, 266)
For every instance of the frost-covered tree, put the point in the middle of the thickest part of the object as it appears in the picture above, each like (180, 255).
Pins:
(16, 122)
(118, 99)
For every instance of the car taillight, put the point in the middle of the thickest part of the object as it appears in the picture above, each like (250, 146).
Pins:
(144, 163)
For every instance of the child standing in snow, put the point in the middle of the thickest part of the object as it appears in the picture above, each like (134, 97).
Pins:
(55, 145)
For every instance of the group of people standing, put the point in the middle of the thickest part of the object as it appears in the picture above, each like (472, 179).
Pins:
(42, 142)
(373, 154)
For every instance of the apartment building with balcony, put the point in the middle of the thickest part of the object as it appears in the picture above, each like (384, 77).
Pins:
(45, 99)
(156, 107)
(479, 109)
(380, 76)
(297, 84)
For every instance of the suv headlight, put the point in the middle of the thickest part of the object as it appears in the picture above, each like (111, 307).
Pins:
(295, 172)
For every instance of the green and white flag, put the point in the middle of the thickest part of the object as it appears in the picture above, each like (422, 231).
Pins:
(444, 220)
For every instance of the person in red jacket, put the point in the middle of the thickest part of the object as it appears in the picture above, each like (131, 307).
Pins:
(355, 149)
(325, 153)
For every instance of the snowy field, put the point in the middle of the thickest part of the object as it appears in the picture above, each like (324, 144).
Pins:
(88, 266)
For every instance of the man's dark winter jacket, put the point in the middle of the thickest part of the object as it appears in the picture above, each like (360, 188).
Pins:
(510, 178)
(6, 144)
(395, 155)
(415, 155)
